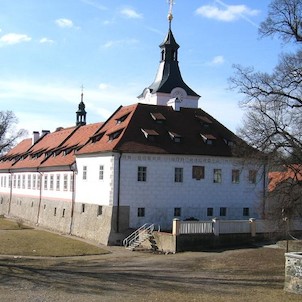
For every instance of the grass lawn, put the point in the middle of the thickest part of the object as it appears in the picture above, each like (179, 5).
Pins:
(17, 239)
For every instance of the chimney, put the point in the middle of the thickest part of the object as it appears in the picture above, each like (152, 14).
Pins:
(35, 137)
(44, 132)
(175, 103)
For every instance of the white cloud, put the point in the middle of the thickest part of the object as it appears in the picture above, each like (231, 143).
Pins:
(114, 43)
(131, 13)
(64, 23)
(228, 13)
(46, 41)
(13, 38)
(103, 86)
(218, 60)
(95, 4)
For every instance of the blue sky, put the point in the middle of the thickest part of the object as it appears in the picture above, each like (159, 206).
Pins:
(50, 48)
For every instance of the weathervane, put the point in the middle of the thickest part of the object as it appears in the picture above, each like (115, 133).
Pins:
(170, 14)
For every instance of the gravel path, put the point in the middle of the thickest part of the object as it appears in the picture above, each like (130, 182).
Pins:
(134, 276)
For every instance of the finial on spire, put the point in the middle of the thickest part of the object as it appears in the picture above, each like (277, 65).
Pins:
(82, 89)
(170, 14)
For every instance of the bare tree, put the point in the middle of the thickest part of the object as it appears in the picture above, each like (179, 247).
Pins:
(9, 136)
(273, 103)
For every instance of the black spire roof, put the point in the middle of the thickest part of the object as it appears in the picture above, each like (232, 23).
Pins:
(81, 113)
(168, 75)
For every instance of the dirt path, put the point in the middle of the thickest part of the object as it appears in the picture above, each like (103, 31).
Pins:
(238, 275)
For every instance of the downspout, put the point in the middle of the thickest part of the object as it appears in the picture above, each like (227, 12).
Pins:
(73, 168)
(10, 192)
(40, 197)
(118, 193)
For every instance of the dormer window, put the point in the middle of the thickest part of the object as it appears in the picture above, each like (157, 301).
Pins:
(97, 137)
(175, 137)
(122, 118)
(150, 134)
(204, 120)
(158, 117)
(209, 139)
(114, 135)
(229, 142)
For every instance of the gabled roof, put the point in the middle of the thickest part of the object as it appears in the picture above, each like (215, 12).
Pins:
(55, 149)
(140, 133)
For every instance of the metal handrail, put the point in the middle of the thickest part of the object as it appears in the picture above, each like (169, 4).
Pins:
(147, 228)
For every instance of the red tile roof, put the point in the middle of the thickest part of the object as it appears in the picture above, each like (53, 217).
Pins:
(293, 172)
(138, 128)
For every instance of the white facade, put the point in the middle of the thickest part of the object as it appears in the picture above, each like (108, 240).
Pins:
(160, 197)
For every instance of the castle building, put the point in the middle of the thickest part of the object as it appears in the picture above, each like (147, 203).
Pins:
(150, 162)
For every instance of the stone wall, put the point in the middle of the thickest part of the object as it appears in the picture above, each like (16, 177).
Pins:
(293, 273)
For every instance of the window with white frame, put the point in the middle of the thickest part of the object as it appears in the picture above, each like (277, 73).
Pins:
(217, 176)
(252, 176)
(15, 181)
(210, 212)
(246, 212)
(142, 174)
(177, 212)
(101, 172)
(84, 172)
(45, 182)
(34, 181)
(58, 182)
(178, 175)
(39, 181)
(141, 212)
(29, 181)
(23, 181)
(51, 182)
(223, 211)
(65, 182)
(235, 176)
(19, 181)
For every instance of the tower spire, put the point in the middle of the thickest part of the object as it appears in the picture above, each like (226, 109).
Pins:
(81, 113)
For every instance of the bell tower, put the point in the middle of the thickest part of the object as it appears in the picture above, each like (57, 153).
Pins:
(81, 113)
(168, 87)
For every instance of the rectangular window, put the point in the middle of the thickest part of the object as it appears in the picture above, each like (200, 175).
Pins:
(39, 182)
(198, 172)
(141, 212)
(51, 182)
(4, 181)
(101, 172)
(100, 210)
(210, 212)
(178, 175)
(217, 176)
(223, 211)
(246, 212)
(83, 207)
(252, 176)
(177, 212)
(141, 173)
(19, 181)
(34, 181)
(84, 172)
(45, 181)
(23, 181)
(28, 181)
(63, 213)
(15, 181)
(58, 181)
(65, 182)
(235, 176)
(55, 212)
